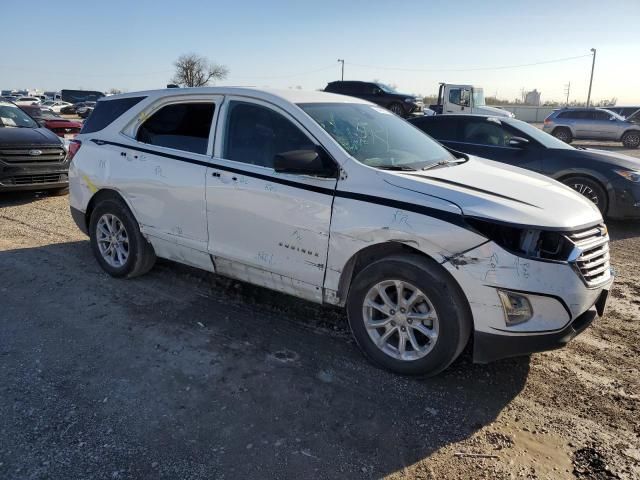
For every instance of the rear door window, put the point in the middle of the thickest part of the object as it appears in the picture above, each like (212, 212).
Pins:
(485, 132)
(441, 128)
(181, 126)
(106, 112)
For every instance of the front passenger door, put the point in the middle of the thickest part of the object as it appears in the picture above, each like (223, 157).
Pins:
(265, 227)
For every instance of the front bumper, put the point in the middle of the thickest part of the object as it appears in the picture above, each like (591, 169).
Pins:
(27, 179)
(488, 347)
(560, 298)
(625, 200)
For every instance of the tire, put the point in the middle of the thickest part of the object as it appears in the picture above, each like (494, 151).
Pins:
(58, 192)
(564, 134)
(131, 255)
(397, 109)
(448, 332)
(631, 139)
(590, 189)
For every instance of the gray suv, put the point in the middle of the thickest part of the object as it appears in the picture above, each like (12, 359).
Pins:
(568, 124)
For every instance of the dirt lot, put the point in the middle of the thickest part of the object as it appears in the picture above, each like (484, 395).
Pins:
(181, 374)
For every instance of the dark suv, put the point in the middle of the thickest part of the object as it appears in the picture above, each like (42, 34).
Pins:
(401, 104)
(31, 158)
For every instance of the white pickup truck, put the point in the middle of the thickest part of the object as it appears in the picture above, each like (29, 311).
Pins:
(464, 99)
(339, 201)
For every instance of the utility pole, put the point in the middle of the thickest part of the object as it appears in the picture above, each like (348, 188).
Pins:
(593, 66)
(567, 89)
(341, 60)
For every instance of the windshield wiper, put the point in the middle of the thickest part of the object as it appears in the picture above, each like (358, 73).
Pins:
(444, 162)
(400, 168)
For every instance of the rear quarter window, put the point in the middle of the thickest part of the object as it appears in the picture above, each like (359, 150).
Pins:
(107, 111)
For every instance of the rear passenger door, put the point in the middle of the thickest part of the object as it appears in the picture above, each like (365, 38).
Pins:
(265, 227)
(162, 169)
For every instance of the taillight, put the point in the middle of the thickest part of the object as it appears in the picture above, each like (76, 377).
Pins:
(74, 146)
(546, 121)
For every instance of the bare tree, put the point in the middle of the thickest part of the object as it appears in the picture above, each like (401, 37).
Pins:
(195, 71)
(114, 91)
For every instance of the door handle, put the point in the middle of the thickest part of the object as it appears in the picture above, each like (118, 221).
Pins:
(215, 174)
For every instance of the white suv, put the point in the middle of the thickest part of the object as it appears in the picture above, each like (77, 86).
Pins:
(336, 200)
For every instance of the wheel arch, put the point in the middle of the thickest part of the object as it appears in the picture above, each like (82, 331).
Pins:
(601, 180)
(378, 251)
(104, 194)
(564, 127)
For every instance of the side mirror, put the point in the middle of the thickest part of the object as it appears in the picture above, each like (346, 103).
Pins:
(305, 162)
(518, 142)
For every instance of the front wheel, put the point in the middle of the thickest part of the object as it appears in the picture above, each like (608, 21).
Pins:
(408, 316)
(117, 242)
(631, 139)
(589, 189)
(397, 109)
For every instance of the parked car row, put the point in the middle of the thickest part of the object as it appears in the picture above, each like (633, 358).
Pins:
(31, 157)
(570, 124)
(339, 201)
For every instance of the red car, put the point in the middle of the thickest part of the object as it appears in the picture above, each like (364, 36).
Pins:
(60, 126)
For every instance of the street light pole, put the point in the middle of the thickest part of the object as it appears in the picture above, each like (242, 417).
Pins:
(593, 66)
(342, 62)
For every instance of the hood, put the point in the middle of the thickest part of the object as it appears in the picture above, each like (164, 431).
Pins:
(15, 137)
(486, 189)
(494, 111)
(614, 159)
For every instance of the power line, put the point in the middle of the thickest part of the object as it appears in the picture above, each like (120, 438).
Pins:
(332, 66)
(475, 69)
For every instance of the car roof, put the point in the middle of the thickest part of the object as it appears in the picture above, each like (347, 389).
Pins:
(292, 96)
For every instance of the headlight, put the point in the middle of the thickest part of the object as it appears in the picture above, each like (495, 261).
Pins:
(530, 243)
(410, 100)
(631, 175)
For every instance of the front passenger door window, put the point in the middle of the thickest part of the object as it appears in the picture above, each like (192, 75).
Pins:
(256, 134)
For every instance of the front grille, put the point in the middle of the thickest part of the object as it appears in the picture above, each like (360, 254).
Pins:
(36, 179)
(593, 254)
(29, 155)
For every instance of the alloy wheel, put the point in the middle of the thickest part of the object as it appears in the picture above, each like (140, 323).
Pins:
(586, 191)
(113, 240)
(400, 319)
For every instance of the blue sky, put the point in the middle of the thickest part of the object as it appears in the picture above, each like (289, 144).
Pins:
(131, 44)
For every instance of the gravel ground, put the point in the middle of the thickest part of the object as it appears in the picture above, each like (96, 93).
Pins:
(182, 374)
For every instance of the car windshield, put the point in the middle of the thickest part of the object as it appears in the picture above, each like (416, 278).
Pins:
(387, 88)
(376, 137)
(547, 141)
(478, 97)
(12, 116)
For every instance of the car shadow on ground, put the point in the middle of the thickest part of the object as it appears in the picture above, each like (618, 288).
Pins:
(14, 199)
(183, 373)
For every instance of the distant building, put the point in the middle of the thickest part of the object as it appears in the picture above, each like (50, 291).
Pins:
(532, 98)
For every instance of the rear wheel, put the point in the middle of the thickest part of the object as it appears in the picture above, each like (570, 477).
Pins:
(563, 134)
(116, 241)
(408, 316)
(590, 189)
(397, 109)
(631, 139)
